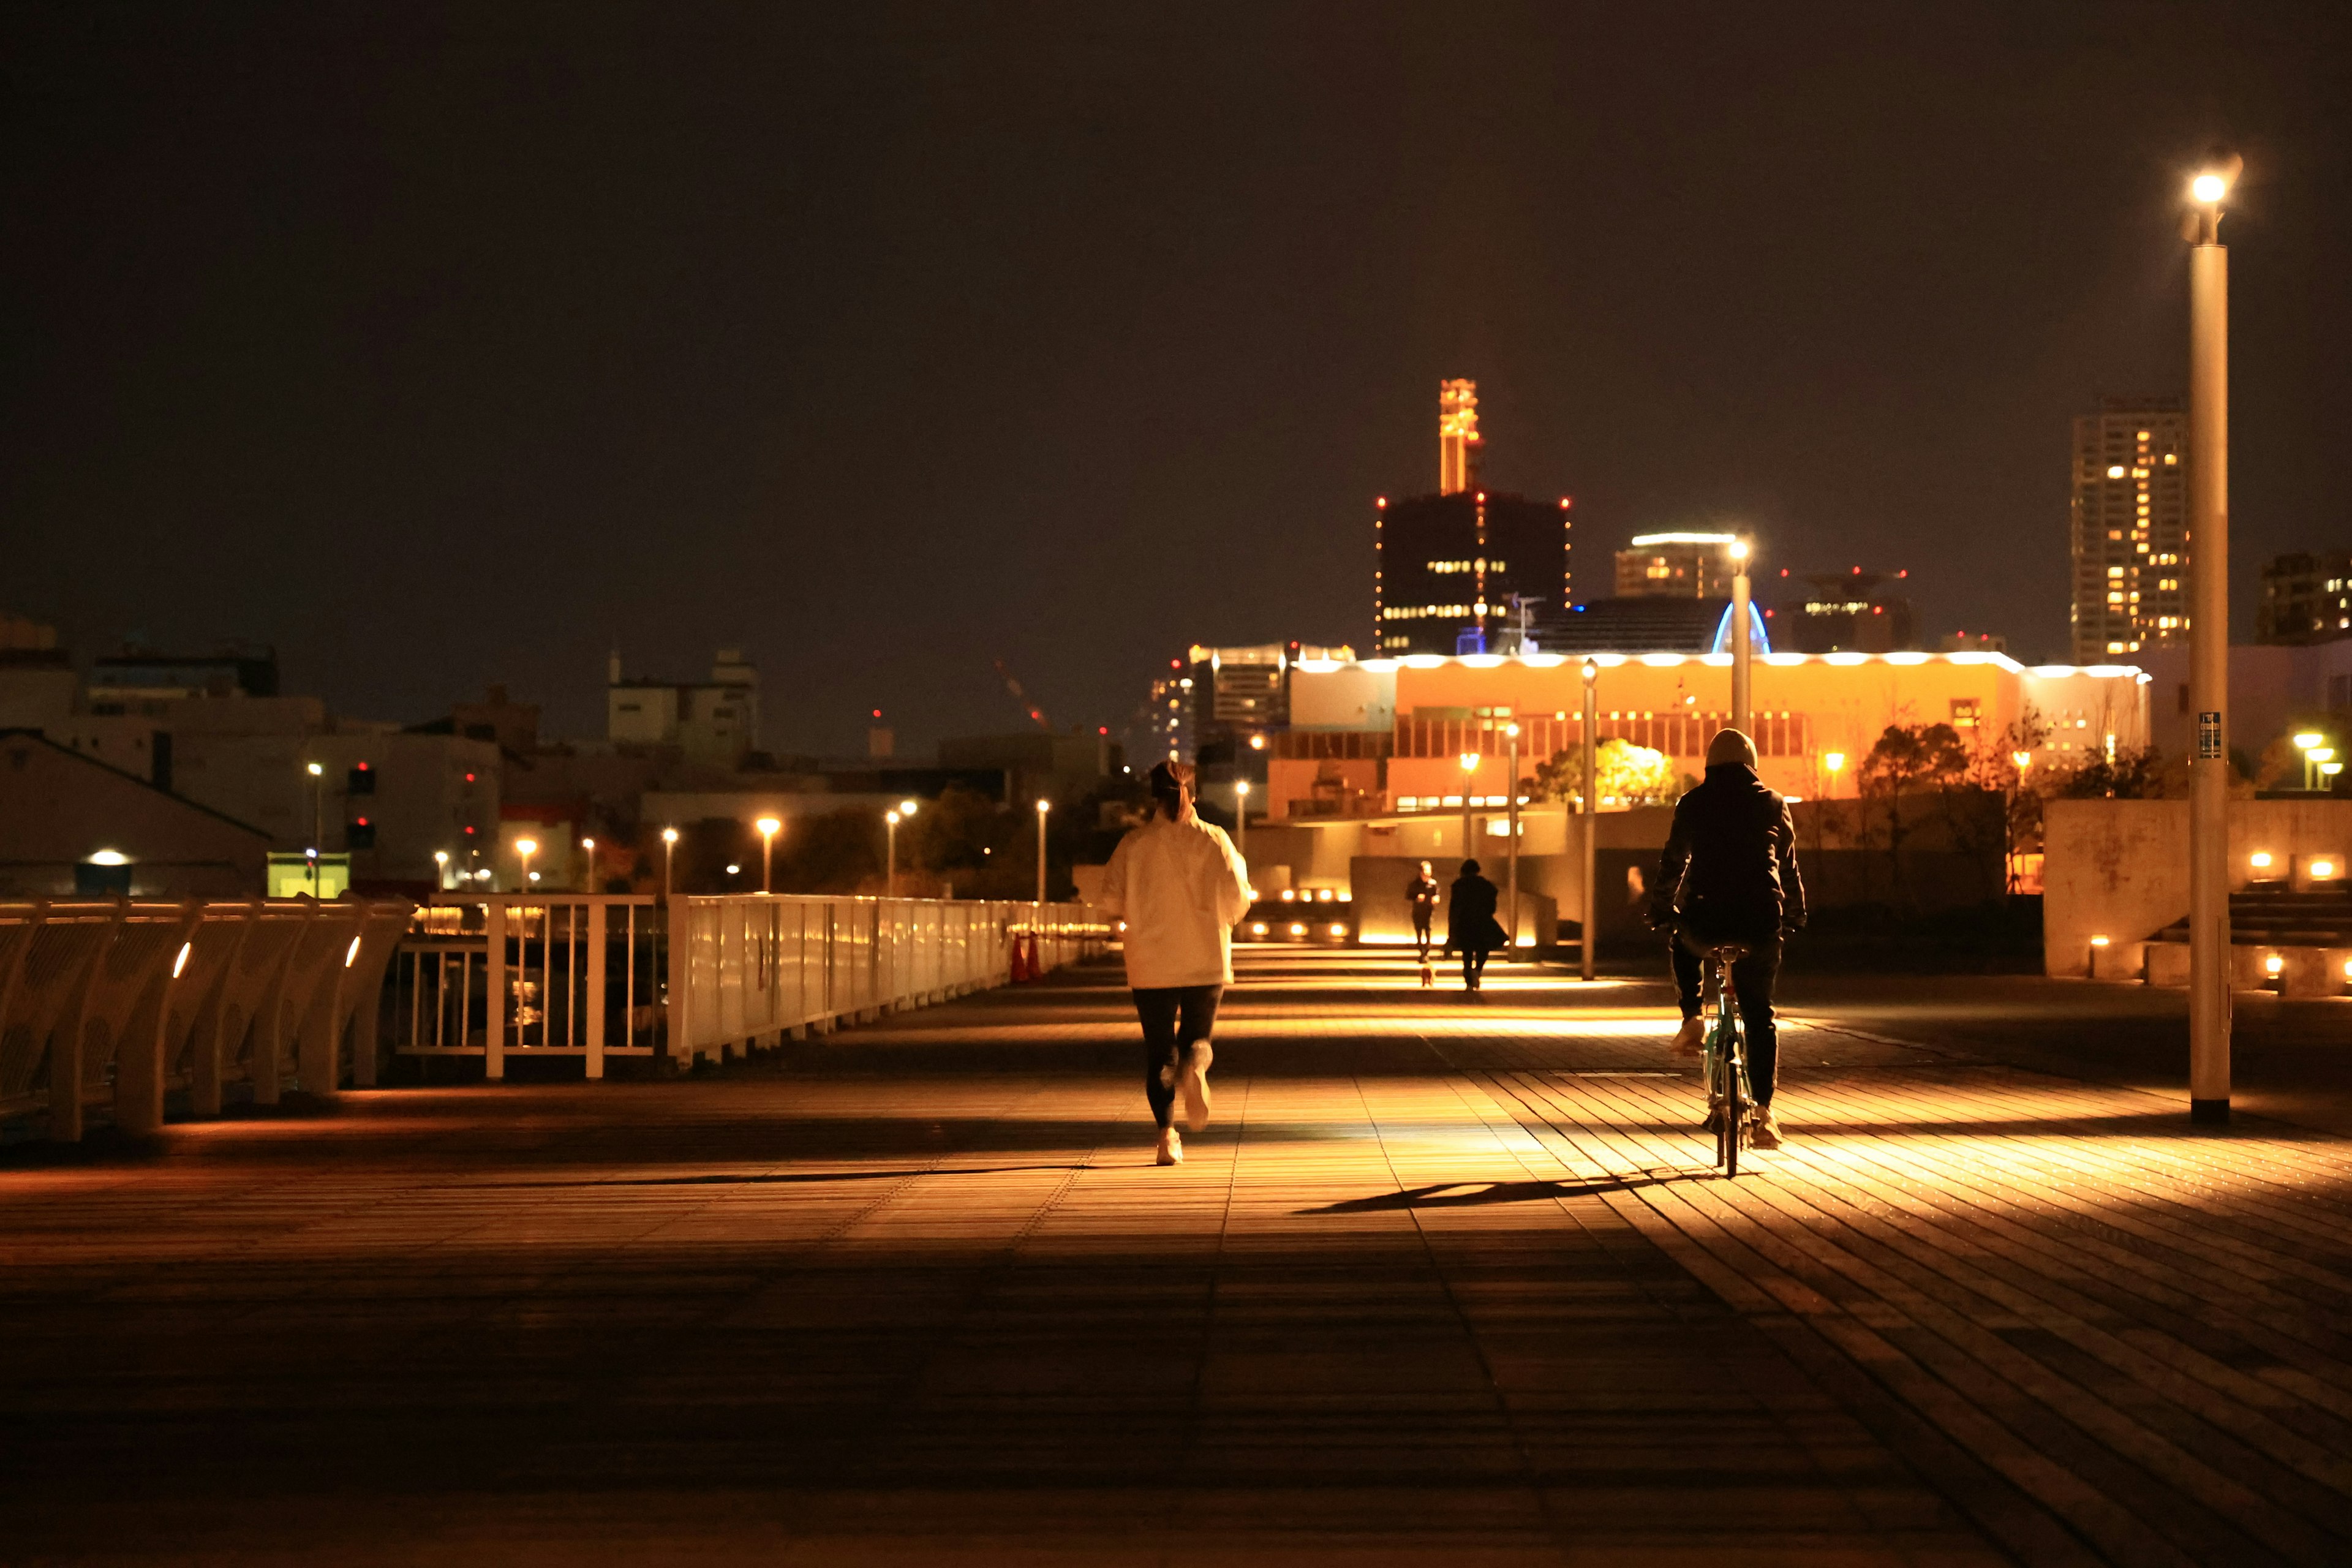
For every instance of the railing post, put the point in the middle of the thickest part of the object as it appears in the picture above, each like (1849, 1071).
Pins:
(66, 1039)
(494, 1034)
(595, 1041)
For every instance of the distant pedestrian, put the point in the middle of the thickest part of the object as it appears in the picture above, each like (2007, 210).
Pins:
(1471, 929)
(1421, 894)
(1182, 887)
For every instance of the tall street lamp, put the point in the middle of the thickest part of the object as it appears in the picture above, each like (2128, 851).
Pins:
(1511, 854)
(1241, 819)
(318, 820)
(1836, 762)
(890, 854)
(1741, 642)
(525, 848)
(2208, 646)
(588, 845)
(767, 826)
(1469, 781)
(670, 859)
(441, 869)
(1591, 911)
(1043, 807)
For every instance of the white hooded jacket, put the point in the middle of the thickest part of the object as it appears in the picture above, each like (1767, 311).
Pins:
(1180, 888)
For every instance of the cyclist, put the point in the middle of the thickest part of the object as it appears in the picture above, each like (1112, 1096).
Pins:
(1423, 894)
(1729, 875)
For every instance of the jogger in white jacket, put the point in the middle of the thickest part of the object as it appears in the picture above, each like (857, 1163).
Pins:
(1182, 887)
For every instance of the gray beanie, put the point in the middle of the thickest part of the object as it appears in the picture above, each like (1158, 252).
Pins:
(1730, 746)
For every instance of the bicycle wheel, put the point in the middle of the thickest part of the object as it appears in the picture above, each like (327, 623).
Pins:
(1735, 1105)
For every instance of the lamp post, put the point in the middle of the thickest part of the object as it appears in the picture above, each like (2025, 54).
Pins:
(2304, 740)
(1043, 807)
(1469, 781)
(1591, 910)
(767, 826)
(526, 849)
(1511, 855)
(588, 845)
(1241, 819)
(1836, 762)
(441, 867)
(1740, 640)
(2209, 648)
(318, 820)
(669, 857)
(2023, 760)
(890, 854)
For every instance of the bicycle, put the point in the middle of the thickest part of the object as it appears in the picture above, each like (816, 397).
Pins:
(1724, 1061)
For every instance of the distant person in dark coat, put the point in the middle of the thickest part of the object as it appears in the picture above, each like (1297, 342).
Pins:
(1729, 875)
(1471, 929)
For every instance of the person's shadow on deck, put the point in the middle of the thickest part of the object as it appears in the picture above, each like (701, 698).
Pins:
(1472, 1195)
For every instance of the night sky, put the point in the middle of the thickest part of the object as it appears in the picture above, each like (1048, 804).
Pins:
(440, 348)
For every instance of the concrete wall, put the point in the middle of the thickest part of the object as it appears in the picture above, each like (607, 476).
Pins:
(2120, 869)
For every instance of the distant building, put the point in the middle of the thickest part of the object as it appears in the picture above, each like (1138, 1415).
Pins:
(71, 825)
(2130, 528)
(1448, 568)
(512, 726)
(1842, 612)
(1648, 625)
(2305, 599)
(144, 676)
(1216, 706)
(1972, 642)
(1676, 566)
(1028, 764)
(716, 720)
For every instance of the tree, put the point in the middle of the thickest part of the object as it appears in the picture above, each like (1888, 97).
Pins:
(1623, 773)
(1911, 757)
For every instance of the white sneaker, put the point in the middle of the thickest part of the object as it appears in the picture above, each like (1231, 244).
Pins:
(1192, 1089)
(1172, 1148)
(1764, 1128)
(1688, 1038)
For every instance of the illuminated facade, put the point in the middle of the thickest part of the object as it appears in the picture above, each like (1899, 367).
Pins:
(2130, 528)
(1388, 734)
(2305, 599)
(1843, 611)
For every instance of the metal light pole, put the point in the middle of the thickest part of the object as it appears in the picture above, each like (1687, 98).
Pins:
(1241, 819)
(767, 826)
(2208, 651)
(670, 859)
(1740, 640)
(1592, 822)
(318, 821)
(1043, 807)
(1511, 856)
(590, 845)
(890, 854)
(526, 849)
(1469, 781)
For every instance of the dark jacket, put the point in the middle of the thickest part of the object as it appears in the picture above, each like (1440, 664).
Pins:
(1470, 923)
(1730, 861)
(1420, 895)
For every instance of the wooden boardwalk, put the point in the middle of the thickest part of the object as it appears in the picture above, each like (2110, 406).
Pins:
(1442, 1283)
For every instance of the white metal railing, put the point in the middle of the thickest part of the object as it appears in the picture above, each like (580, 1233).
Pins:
(592, 977)
(577, 975)
(756, 967)
(121, 1002)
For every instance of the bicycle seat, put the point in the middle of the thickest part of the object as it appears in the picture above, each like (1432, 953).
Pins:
(1729, 953)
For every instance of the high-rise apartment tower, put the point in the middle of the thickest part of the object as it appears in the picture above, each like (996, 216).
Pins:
(2130, 527)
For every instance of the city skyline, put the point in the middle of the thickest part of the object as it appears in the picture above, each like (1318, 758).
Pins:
(574, 388)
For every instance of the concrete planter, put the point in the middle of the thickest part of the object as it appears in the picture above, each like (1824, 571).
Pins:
(2119, 961)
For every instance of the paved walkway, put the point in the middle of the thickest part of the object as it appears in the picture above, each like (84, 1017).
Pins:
(1444, 1283)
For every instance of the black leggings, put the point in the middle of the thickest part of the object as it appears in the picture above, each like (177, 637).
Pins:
(1751, 988)
(1474, 965)
(1173, 1017)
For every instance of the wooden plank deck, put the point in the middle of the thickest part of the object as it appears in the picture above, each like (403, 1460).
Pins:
(1442, 1283)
